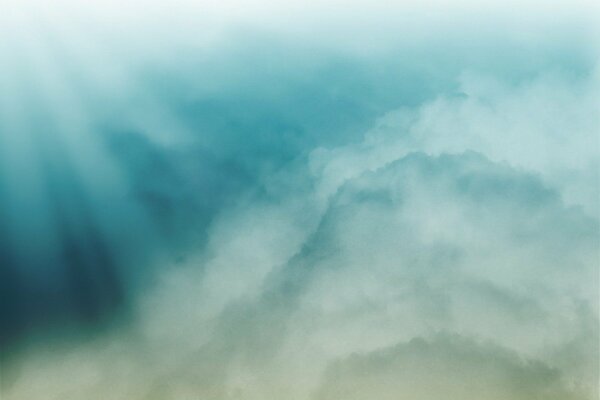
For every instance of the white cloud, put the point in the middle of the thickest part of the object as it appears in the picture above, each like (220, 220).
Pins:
(547, 125)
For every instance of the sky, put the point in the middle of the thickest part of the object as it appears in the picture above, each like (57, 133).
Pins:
(322, 200)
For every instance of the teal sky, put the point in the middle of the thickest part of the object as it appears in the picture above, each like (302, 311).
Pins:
(322, 201)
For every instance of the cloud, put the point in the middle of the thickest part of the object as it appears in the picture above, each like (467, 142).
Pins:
(453, 242)
(445, 366)
(544, 124)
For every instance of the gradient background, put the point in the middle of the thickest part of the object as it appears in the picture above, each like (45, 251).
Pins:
(299, 200)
